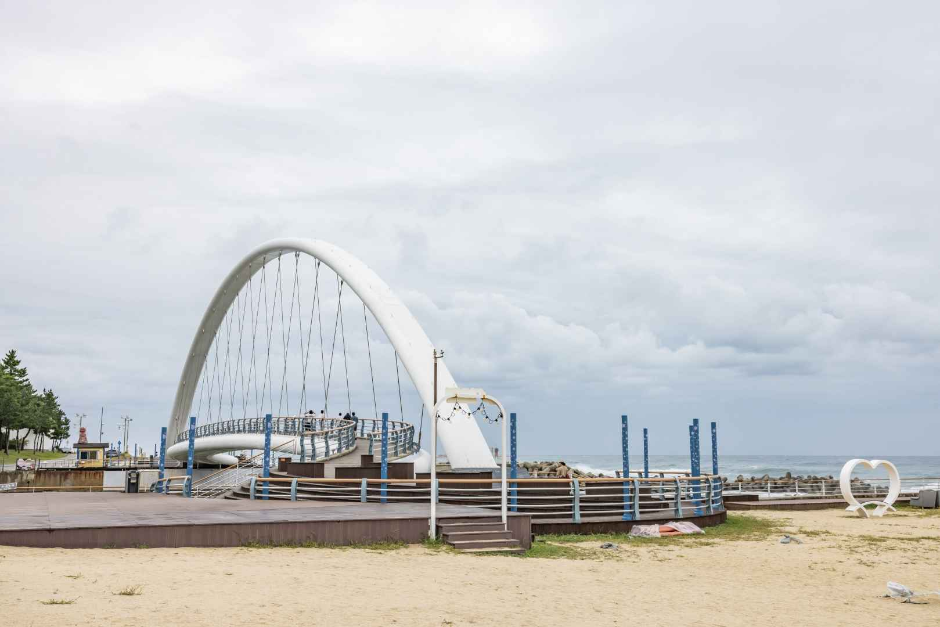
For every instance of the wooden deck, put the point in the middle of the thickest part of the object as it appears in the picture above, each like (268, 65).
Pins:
(101, 520)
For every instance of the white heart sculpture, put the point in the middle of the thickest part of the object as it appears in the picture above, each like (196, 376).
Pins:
(894, 487)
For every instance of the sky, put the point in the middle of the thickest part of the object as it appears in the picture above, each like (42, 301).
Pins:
(718, 211)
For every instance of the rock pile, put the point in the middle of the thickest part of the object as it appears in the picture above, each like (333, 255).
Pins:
(559, 470)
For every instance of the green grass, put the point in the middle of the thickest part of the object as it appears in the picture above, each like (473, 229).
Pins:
(389, 545)
(130, 591)
(738, 527)
(58, 602)
(41, 455)
(542, 549)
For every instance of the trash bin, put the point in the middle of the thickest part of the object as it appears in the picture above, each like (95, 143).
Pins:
(132, 482)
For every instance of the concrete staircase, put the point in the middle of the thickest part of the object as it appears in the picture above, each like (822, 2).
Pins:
(478, 535)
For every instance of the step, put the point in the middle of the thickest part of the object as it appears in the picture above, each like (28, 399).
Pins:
(476, 535)
(483, 544)
(459, 527)
(506, 550)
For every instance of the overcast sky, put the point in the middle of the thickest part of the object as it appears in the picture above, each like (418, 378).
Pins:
(724, 211)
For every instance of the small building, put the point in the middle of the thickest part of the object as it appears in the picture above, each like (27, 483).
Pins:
(90, 454)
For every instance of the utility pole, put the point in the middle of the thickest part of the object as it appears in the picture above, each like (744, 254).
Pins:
(438, 354)
(101, 426)
(126, 420)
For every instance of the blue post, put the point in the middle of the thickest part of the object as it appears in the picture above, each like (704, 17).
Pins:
(576, 505)
(160, 485)
(364, 491)
(696, 466)
(293, 489)
(303, 441)
(714, 448)
(625, 444)
(252, 487)
(266, 467)
(513, 472)
(190, 454)
(385, 455)
(646, 453)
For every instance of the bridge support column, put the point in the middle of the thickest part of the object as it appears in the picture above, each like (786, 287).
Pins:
(190, 456)
(384, 456)
(513, 472)
(266, 468)
(160, 484)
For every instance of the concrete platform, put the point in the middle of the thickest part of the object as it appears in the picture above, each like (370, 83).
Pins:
(105, 520)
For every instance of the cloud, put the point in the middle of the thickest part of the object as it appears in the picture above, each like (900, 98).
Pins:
(726, 212)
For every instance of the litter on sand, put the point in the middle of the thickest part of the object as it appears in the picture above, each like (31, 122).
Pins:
(669, 529)
(608, 545)
(789, 539)
(900, 591)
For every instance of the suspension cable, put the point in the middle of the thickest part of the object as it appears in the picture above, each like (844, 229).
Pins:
(342, 328)
(319, 304)
(401, 405)
(365, 320)
(240, 307)
(290, 326)
(313, 303)
(329, 375)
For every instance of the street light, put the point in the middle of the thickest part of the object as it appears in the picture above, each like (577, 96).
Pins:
(457, 395)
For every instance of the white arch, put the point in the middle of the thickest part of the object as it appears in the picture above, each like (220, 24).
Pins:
(462, 440)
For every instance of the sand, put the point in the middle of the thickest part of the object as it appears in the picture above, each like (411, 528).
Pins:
(835, 577)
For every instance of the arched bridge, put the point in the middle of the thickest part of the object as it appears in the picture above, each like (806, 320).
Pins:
(257, 350)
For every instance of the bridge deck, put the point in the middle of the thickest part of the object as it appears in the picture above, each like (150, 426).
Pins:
(99, 520)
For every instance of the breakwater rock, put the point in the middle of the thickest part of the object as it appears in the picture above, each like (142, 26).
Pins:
(557, 470)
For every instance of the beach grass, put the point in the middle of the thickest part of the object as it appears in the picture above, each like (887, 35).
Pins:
(58, 602)
(130, 591)
(387, 545)
(739, 527)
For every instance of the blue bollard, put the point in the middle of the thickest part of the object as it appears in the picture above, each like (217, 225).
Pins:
(513, 472)
(266, 464)
(385, 456)
(625, 445)
(646, 453)
(696, 468)
(190, 454)
(714, 448)
(160, 486)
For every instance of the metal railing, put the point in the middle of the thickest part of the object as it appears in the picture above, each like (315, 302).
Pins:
(281, 425)
(401, 436)
(336, 439)
(828, 488)
(560, 500)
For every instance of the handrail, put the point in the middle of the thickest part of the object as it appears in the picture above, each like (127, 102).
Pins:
(281, 425)
(520, 481)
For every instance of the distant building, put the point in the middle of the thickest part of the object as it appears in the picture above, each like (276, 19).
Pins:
(90, 454)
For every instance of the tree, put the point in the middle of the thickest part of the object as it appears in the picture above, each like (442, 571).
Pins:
(16, 412)
(10, 399)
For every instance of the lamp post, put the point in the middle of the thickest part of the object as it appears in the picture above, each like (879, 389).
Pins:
(457, 395)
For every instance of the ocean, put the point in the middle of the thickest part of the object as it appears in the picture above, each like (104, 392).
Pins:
(749, 465)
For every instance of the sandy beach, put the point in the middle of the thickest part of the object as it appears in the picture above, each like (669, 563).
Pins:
(835, 577)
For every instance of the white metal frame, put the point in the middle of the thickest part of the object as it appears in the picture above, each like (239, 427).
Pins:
(467, 395)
